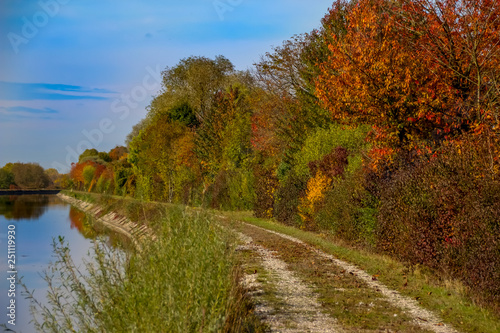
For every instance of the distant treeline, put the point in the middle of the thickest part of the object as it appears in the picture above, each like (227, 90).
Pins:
(27, 176)
(381, 127)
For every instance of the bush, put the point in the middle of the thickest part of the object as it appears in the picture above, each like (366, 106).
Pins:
(287, 199)
(232, 190)
(266, 184)
(323, 141)
(444, 212)
(349, 211)
(102, 184)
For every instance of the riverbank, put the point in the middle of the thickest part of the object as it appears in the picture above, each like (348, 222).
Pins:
(185, 281)
(134, 232)
(22, 192)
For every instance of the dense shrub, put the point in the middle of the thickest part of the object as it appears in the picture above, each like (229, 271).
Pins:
(323, 141)
(325, 172)
(444, 212)
(287, 199)
(232, 190)
(349, 210)
(218, 194)
(266, 183)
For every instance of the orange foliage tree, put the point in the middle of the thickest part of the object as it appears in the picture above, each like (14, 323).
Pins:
(417, 70)
(462, 38)
(371, 76)
(77, 175)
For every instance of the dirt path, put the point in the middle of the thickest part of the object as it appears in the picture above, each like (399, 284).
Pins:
(299, 310)
(298, 288)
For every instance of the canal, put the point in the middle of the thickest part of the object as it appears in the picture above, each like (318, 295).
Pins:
(28, 225)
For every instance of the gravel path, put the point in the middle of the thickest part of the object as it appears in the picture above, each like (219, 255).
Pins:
(299, 297)
(299, 311)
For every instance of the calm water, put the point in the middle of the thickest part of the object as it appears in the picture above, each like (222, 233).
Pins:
(36, 219)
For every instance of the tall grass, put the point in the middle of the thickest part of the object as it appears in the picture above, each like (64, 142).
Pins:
(184, 282)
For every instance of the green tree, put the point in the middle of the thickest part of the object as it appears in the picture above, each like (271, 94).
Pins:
(194, 80)
(152, 154)
(88, 153)
(104, 156)
(88, 175)
(6, 178)
(8, 167)
(184, 113)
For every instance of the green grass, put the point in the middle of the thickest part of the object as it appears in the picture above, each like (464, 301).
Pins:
(186, 281)
(447, 298)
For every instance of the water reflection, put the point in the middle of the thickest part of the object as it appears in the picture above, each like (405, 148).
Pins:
(79, 221)
(26, 207)
(37, 219)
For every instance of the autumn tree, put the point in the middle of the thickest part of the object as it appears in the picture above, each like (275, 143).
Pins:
(461, 39)
(291, 107)
(53, 174)
(371, 77)
(64, 181)
(198, 125)
(218, 129)
(30, 175)
(417, 70)
(117, 153)
(82, 179)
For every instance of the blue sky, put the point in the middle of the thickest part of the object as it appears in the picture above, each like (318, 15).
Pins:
(80, 73)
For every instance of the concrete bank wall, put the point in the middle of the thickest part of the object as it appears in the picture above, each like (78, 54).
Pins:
(113, 222)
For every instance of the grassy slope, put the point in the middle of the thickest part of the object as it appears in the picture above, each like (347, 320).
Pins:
(186, 281)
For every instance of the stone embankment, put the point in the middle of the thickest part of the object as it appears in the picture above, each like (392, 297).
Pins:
(112, 221)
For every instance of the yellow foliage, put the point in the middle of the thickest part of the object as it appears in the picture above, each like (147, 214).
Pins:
(315, 194)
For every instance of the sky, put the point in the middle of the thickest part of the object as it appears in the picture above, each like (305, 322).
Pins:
(78, 74)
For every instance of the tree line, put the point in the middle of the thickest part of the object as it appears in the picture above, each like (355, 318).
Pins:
(380, 127)
(29, 176)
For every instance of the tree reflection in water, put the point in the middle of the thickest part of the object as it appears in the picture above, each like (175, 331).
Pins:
(79, 220)
(31, 207)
